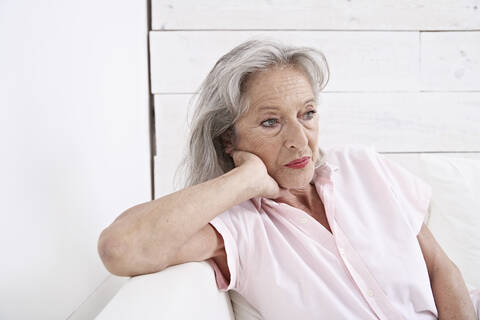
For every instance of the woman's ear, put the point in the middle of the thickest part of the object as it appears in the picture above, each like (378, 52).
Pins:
(227, 141)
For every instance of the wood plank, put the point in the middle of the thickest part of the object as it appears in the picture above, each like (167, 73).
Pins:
(358, 61)
(316, 15)
(172, 122)
(450, 60)
(401, 123)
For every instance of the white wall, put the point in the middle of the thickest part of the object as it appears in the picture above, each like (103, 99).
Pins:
(404, 74)
(74, 143)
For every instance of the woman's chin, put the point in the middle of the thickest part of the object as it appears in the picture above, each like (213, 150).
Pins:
(295, 181)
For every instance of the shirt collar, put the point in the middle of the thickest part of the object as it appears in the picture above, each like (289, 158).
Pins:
(324, 171)
(257, 202)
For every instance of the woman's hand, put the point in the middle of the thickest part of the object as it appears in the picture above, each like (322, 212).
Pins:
(265, 185)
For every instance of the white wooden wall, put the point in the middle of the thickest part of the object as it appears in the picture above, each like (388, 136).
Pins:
(405, 75)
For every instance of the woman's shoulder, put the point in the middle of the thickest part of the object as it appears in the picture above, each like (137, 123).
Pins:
(242, 212)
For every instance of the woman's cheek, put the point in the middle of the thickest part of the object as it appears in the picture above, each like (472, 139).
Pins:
(260, 139)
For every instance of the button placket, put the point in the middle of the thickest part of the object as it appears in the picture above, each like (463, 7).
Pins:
(322, 186)
(329, 205)
(341, 246)
(330, 210)
(365, 280)
(350, 258)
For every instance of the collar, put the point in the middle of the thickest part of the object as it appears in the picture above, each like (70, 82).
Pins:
(324, 171)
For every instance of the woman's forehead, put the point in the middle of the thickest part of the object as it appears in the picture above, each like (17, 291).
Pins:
(292, 97)
(278, 84)
(277, 77)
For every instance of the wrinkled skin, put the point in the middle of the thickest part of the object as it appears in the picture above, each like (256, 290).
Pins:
(284, 133)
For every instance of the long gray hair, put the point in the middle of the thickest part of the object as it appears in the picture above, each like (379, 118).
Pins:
(221, 101)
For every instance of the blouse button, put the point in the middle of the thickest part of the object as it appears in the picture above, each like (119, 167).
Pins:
(370, 293)
(303, 220)
(342, 252)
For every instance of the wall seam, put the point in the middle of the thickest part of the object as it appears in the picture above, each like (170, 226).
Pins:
(151, 105)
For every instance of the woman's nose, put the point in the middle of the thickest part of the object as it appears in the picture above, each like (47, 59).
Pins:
(295, 136)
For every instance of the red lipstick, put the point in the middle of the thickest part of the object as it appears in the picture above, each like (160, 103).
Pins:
(298, 163)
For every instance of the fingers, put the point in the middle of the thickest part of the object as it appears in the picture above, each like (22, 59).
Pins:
(236, 156)
(240, 156)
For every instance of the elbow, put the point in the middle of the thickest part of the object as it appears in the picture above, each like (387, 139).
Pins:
(112, 253)
(121, 260)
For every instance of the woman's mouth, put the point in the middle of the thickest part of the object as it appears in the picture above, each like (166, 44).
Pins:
(298, 163)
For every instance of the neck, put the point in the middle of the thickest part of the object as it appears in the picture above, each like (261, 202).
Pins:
(303, 198)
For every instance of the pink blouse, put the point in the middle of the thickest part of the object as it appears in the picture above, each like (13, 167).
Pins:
(289, 266)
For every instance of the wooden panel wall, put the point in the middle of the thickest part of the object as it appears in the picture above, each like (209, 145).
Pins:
(316, 14)
(405, 76)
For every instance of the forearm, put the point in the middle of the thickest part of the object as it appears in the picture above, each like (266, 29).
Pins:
(451, 294)
(146, 236)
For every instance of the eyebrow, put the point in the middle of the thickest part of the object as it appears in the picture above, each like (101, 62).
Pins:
(275, 108)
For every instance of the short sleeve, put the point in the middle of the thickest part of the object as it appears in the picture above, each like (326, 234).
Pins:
(412, 193)
(234, 225)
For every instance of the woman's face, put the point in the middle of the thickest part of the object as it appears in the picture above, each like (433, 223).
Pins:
(281, 124)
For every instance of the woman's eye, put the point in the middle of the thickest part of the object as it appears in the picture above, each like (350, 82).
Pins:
(269, 123)
(310, 114)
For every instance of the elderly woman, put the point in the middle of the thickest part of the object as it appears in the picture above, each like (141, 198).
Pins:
(300, 232)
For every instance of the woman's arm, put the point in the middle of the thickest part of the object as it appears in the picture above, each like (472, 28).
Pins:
(449, 290)
(147, 237)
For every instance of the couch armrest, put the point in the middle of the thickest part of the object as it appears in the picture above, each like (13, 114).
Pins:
(184, 291)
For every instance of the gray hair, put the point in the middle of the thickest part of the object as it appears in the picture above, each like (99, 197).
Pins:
(221, 101)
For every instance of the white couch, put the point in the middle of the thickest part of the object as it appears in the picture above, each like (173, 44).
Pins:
(189, 291)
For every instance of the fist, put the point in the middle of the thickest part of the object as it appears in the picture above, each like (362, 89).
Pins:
(256, 173)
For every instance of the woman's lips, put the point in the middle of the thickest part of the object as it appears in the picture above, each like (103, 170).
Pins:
(299, 163)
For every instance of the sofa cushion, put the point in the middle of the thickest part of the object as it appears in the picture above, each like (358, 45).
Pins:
(184, 291)
(455, 210)
(242, 309)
